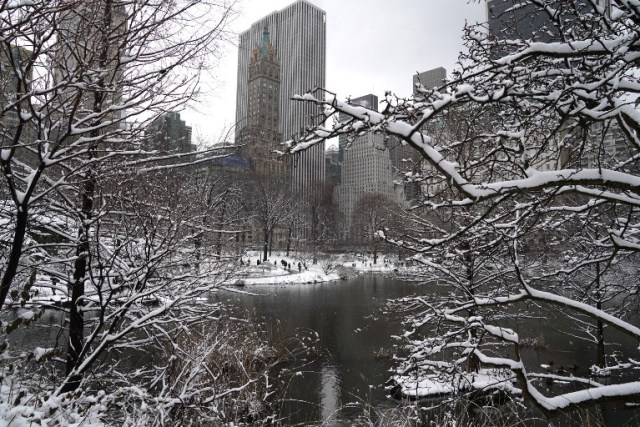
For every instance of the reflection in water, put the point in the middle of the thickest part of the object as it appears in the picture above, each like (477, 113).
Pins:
(329, 392)
(352, 327)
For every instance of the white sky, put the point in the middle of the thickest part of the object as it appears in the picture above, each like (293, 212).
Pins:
(372, 46)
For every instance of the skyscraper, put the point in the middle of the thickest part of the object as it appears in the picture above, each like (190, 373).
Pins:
(368, 101)
(366, 170)
(430, 79)
(298, 35)
(261, 135)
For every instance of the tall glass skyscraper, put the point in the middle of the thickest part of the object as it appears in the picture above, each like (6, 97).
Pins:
(298, 34)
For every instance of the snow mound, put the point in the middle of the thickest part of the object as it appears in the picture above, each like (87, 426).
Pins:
(435, 385)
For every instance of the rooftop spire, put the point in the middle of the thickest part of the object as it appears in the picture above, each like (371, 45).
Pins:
(263, 43)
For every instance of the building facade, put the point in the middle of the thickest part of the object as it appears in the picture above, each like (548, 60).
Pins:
(430, 79)
(332, 165)
(405, 159)
(169, 134)
(369, 101)
(298, 35)
(261, 135)
(13, 63)
(88, 41)
(506, 21)
(521, 20)
(366, 170)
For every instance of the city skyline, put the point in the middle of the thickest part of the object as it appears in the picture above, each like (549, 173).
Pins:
(298, 35)
(356, 31)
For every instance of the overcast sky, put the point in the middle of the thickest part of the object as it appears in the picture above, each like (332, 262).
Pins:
(372, 46)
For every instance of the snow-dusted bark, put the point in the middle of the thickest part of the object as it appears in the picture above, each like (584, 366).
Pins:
(541, 182)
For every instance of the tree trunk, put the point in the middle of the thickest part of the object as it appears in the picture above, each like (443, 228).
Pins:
(220, 221)
(197, 245)
(265, 247)
(473, 363)
(22, 213)
(289, 235)
(81, 265)
(16, 252)
(600, 351)
(76, 315)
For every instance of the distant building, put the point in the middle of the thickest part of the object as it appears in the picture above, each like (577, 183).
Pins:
(12, 64)
(403, 158)
(80, 39)
(517, 19)
(261, 136)
(366, 169)
(168, 135)
(430, 79)
(521, 20)
(407, 161)
(332, 165)
(369, 101)
(298, 35)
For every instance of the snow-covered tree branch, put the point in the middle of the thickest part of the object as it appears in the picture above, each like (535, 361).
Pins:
(530, 193)
(94, 221)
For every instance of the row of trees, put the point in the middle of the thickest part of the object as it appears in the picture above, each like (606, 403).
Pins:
(532, 150)
(277, 218)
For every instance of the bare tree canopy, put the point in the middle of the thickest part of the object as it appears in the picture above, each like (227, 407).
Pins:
(543, 176)
(97, 224)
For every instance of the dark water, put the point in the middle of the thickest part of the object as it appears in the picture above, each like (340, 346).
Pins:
(347, 380)
(346, 384)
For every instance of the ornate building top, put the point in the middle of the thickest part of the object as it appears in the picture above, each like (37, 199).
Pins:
(265, 49)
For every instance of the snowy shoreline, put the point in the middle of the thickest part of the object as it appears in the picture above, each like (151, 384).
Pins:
(281, 269)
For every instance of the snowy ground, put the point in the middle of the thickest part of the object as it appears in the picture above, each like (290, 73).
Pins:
(434, 385)
(300, 269)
